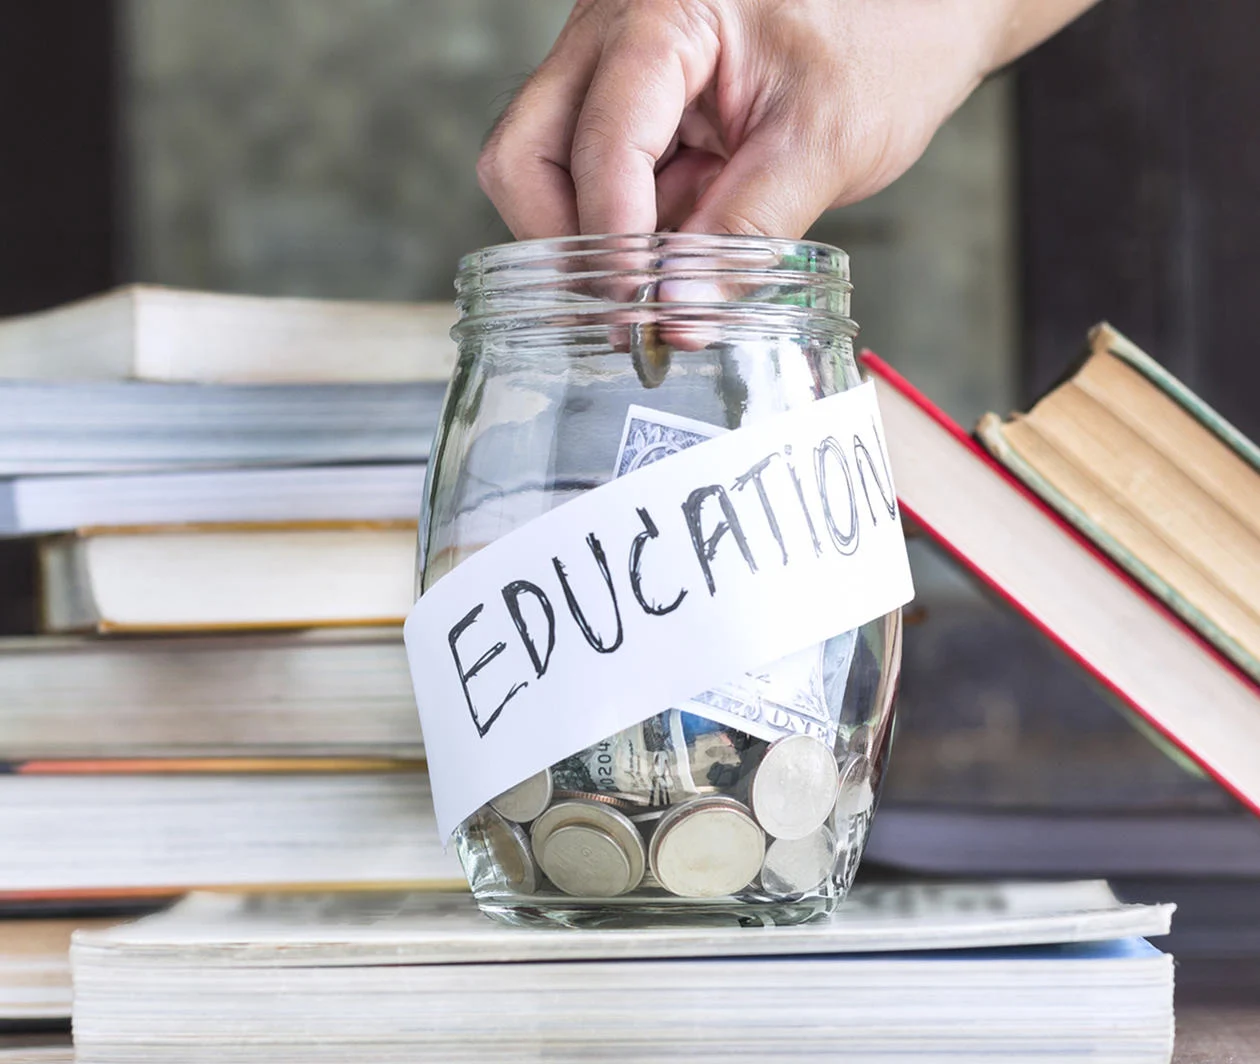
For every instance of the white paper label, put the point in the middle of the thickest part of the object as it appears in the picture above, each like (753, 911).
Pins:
(784, 697)
(662, 583)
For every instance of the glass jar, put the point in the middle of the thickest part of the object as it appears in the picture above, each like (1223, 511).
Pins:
(679, 814)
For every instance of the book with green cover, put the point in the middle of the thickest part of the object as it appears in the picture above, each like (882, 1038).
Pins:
(1156, 478)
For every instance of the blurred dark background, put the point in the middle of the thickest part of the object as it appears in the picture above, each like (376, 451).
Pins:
(326, 148)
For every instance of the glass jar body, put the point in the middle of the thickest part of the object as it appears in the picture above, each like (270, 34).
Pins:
(677, 815)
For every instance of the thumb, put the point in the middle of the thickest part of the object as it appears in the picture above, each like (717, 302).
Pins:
(769, 187)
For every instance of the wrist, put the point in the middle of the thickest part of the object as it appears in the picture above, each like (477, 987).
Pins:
(993, 28)
(1017, 26)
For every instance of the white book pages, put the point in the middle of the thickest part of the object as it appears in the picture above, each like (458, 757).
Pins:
(177, 831)
(36, 505)
(113, 426)
(1104, 1001)
(323, 692)
(219, 578)
(171, 334)
(35, 967)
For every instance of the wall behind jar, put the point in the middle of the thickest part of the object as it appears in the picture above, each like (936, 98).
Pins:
(326, 148)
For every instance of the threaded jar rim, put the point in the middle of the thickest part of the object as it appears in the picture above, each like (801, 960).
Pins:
(685, 276)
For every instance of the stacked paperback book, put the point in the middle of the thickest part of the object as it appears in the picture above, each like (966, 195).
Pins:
(1003, 972)
(225, 492)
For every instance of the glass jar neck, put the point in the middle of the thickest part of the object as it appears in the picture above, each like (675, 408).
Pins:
(741, 281)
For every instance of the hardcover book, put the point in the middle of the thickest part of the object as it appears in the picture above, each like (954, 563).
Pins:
(1116, 629)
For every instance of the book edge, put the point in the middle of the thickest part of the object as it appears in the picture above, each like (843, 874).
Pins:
(64, 593)
(990, 432)
(1074, 923)
(1105, 337)
(261, 528)
(159, 362)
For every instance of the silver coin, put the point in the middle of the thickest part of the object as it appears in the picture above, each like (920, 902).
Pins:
(857, 793)
(794, 788)
(707, 848)
(586, 862)
(510, 851)
(649, 355)
(794, 866)
(862, 741)
(625, 803)
(592, 814)
(526, 800)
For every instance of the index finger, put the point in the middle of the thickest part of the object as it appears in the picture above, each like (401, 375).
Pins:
(524, 166)
(647, 75)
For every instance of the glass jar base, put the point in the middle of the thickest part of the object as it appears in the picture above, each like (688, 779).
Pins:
(520, 910)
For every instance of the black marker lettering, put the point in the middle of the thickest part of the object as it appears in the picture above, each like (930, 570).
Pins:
(591, 637)
(467, 622)
(706, 548)
(636, 578)
(800, 494)
(889, 497)
(512, 599)
(753, 476)
(846, 543)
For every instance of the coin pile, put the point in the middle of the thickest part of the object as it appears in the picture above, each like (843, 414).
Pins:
(630, 815)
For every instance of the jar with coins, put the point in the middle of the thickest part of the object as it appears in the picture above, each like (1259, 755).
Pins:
(583, 360)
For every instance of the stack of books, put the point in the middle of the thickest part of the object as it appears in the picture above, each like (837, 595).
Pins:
(1004, 972)
(225, 492)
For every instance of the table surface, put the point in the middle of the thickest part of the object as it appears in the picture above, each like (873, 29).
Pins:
(1218, 1012)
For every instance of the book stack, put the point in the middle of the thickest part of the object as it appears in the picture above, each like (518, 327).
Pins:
(225, 492)
(948, 972)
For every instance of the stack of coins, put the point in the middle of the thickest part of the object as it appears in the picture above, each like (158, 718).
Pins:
(707, 848)
(589, 848)
(793, 794)
(629, 815)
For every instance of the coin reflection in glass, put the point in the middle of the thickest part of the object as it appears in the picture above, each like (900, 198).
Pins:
(510, 851)
(794, 866)
(857, 793)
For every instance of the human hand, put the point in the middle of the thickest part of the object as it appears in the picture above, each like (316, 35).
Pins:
(733, 116)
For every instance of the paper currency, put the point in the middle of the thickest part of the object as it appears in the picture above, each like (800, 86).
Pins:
(650, 435)
(784, 698)
(650, 761)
